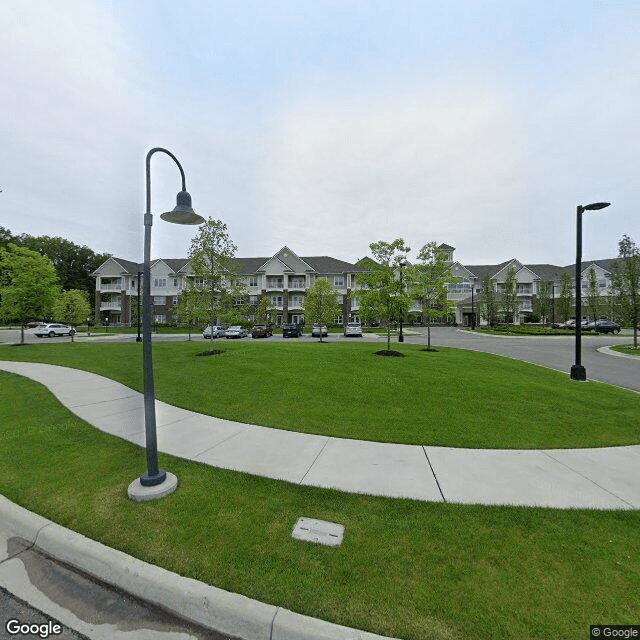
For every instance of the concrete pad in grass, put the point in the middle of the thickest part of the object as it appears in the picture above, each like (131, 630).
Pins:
(273, 453)
(515, 477)
(395, 470)
(615, 469)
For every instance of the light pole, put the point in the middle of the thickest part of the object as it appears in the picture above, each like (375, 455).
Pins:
(578, 372)
(154, 483)
(400, 336)
(139, 337)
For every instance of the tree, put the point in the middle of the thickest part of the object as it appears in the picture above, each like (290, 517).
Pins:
(427, 283)
(211, 259)
(74, 263)
(509, 297)
(190, 308)
(72, 307)
(381, 295)
(487, 301)
(543, 304)
(321, 303)
(264, 310)
(626, 283)
(566, 304)
(29, 285)
(594, 299)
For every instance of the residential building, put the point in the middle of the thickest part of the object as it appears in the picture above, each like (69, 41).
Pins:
(285, 278)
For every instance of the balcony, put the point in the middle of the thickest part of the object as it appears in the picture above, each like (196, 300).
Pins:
(110, 286)
(112, 305)
(297, 284)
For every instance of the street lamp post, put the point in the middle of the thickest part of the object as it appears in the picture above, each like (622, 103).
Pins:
(578, 372)
(400, 336)
(139, 337)
(154, 483)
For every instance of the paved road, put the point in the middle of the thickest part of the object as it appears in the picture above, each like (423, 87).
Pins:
(556, 352)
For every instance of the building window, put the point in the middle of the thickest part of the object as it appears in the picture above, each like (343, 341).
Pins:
(253, 281)
(176, 282)
(175, 300)
(340, 299)
(239, 302)
(159, 300)
(199, 282)
(253, 299)
(161, 318)
(276, 301)
(160, 282)
(275, 283)
(338, 281)
(339, 320)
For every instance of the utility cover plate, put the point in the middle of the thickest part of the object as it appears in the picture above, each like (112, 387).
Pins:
(318, 531)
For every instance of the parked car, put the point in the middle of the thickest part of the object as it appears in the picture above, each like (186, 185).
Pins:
(571, 324)
(353, 329)
(236, 332)
(291, 330)
(213, 331)
(316, 330)
(606, 326)
(53, 329)
(261, 331)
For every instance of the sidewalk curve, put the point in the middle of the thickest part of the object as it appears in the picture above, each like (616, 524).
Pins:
(595, 478)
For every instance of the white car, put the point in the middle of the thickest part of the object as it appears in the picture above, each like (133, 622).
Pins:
(213, 332)
(316, 330)
(53, 329)
(236, 332)
(353, 329)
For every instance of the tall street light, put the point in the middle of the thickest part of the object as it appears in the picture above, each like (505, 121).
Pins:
(400, 335)
(578, 372)
(139, 337)
(155, 483)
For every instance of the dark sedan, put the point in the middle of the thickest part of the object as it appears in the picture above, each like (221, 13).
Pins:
(606, 326)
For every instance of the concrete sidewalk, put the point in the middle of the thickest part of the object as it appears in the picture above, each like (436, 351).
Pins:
(603, 478)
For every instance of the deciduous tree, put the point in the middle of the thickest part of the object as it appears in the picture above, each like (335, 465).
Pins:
(487, 301)
(566, 303)
(626, 283)
(321, 303)
(30, 285)
(381, 294)
(211, 258)
(427, 283)
(72, 307)
(509, 300)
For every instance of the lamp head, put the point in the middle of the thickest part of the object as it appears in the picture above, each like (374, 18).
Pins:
(595, 206)
(182, 213)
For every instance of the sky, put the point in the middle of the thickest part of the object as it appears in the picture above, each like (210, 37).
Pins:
(324, 126)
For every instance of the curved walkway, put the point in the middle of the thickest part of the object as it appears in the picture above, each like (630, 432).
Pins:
(604, 478)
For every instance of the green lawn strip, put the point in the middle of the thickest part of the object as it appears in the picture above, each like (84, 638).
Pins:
(448, 398)
(407, 569)
(628, 349)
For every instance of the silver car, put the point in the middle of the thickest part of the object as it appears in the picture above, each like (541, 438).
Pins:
(236, 332)
(353, 329)
(53, 329)
(213, 332)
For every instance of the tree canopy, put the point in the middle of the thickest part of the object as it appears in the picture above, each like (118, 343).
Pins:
(626, 283)
(29, 285)
(381, 294)
(321, 303)
(72, 307)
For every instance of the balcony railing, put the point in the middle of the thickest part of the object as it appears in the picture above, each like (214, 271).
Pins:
(297, 285)
(110, 286)
(113, 304)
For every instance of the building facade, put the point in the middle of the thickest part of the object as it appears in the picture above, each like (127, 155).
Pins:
(285, 278)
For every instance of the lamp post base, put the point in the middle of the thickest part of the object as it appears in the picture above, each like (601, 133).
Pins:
(138, 492)
(578, 372)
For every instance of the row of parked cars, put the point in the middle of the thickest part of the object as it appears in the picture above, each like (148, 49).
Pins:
(599, 326)
(289, 330)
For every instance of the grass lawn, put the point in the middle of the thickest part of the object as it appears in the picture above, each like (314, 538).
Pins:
(406, 569)
(449, 398)
(629, 349)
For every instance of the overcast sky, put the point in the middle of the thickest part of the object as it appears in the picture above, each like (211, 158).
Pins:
(324, 125)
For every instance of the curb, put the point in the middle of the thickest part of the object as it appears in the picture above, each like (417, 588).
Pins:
(610, 352)
(210, 607)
